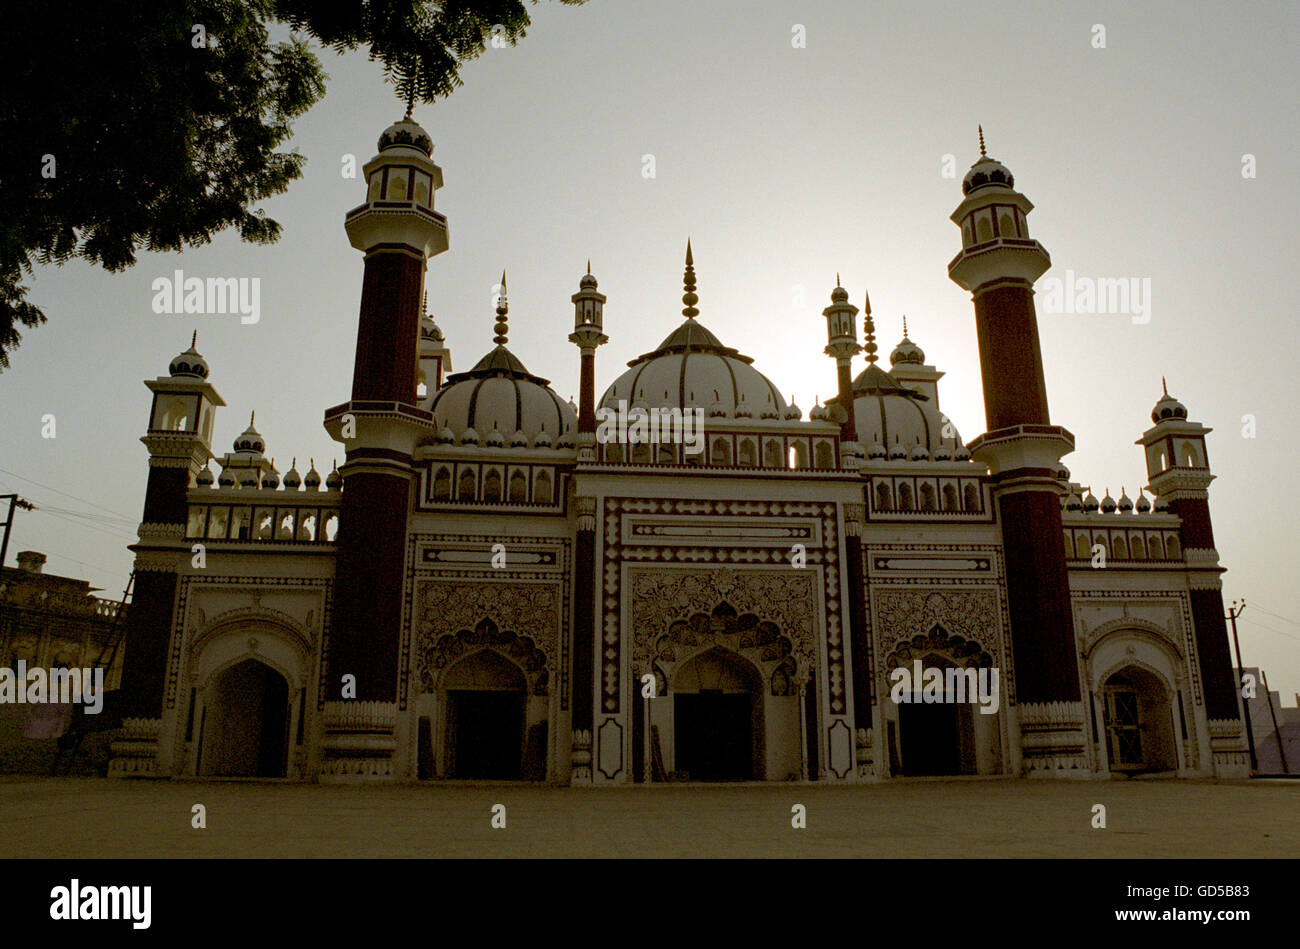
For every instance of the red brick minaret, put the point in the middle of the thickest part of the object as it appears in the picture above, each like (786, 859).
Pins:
(398, 230)
(998, 264)
(1178, 469)
(588, 333)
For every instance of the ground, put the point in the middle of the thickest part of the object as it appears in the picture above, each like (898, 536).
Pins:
(91, 817)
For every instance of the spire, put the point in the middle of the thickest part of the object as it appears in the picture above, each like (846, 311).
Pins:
(588, 265)
(424, 304)
(1163, 386)
(194, 340)
(904, 326)
(688, 284)
(251, 416)
(983, 154)
(837, 278)
(503, 307)
(868, 331)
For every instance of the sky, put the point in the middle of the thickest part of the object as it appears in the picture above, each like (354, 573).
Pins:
(789, 141)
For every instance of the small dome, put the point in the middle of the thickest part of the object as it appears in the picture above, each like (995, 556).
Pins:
(444, 436)
(406, 132)
(1108, 503)
(985, 172)
(565, 440)
(248, 478)
(469, 437)
(743, 410)
(718, 410)
(542, 439)
(818, 413)
(189, 363)
(429, 330)
(897, 451)
(313, 477)
(499, 393)
(1073, 502)
(518, 439)
(1062, 473)
(941, 453)
(1125, 503)
(1162, 504)
(588, 282)
(839, 295)
(291, 478)
(1090, 503)
(961, 453)
(875, 451)
(907, 353)
(204, 478)
(334, 480)
(250, 440)
(1143, 505)
(1168, 408)
(226, 479)
(494, 439)
(919, 453)
(792, 412)
(271, 477)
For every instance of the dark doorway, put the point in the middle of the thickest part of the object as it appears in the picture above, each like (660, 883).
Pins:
(248, 728)
(714, 735)
(931, 742)
(488, 730)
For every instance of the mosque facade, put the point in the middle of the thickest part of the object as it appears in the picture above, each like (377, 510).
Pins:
(684, 578)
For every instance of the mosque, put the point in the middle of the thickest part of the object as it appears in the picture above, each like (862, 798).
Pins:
(497, 584)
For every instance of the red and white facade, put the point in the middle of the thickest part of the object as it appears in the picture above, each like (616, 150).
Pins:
(493, 586)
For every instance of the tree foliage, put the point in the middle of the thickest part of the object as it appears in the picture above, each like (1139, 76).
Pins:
(128, 126)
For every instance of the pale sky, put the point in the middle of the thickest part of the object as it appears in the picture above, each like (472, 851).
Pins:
(783, 165)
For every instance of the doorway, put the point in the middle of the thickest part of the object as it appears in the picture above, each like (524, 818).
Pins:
(246, 728)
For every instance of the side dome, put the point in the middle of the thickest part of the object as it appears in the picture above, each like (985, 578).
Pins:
(189, 363)
(406, 132)
(887, 412)
(692, 369)
(1168, 408)
(499, 394)
(987, 171)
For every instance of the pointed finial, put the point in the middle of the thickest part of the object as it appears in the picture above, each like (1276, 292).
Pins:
(410, 103)
(503, 307)
(869, 332)
(194, 340)
(589, 265)
(1163, 386)
(904, 326)
(688, 284)
(866, 301)
(983, 154)
(424, 304)
(251, 416)
(837, 278)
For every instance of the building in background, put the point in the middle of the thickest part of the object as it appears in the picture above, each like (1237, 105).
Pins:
(1276, 727)
(491, 587)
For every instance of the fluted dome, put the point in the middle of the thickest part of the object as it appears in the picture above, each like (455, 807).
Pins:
(406, 132)
(250, 440)
(1143, 505)
(429, 330)
(189, 363)
(985, 172)
(500, 395)
(692, 369)
(1168, 408)
(908, 353)
(886, 411)
(292, 479)
(205, 477)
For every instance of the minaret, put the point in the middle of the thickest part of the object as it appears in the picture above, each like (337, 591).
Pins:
(998, 264)
(435, 357)
(842, 345)
(398, 230)
(588, 333)
(179, 444)
(1178, 470)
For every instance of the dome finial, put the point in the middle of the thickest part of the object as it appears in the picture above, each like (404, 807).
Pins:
(688, 284)
(983, 154)
(837, 278)
(194, 340)
(904, 326)
(251, 415)
(588, 265)
(868, 331)
(503, 308)
(1164, 387)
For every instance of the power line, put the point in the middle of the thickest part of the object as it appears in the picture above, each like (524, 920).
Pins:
(64, 493)
(1285, 619)
(1270, 629)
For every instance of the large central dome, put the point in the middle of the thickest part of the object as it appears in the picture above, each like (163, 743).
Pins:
(692, 369)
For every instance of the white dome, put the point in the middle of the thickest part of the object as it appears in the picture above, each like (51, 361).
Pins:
(500, 395)
(692, 369)
(887, 412)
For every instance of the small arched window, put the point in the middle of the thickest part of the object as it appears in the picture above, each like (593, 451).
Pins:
(799, 455)
(614, 453)
(518, 487)
(772, 453)
(331, 527)
(927, 496)
(1082, 549)
(970, 499)
(1155, 548)
(1139, 550)
(950, 498)
(542, 488)
(825, 457)
(884, 497)
(1173, 550)
(720, 452)
(1120, 548)
(307, 527)
(747, 454)
(492, 487)
(905, 497)
(442, 485)
(397, 187)
(1006, 226)
(467, 486)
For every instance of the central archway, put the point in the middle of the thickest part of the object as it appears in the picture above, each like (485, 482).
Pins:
(937, 738)
(718, 718)
(1139, 722)
(246, 727)
(486, 697)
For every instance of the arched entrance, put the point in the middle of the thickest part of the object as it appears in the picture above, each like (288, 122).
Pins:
(1139, 722)
(245, 732)
(717, 718)
(485, 707)
(937, 737)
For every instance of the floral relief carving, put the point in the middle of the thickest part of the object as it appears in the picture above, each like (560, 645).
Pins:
(968, 620)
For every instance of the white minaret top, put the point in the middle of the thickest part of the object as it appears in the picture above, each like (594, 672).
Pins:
(400, 185)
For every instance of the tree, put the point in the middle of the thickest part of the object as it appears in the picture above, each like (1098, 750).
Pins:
(155, 126)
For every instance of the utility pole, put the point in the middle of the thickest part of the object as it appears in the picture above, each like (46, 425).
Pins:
(1233, 613)
(15, 502)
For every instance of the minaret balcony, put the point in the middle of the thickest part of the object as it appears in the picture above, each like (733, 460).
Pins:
(1001, 258)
